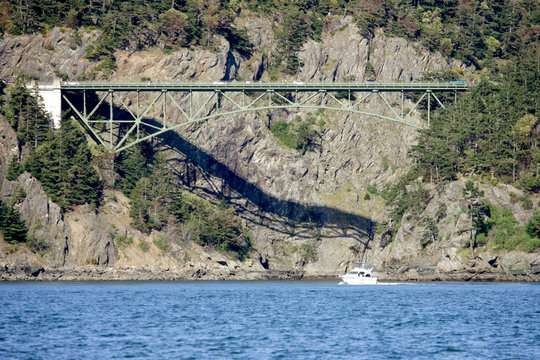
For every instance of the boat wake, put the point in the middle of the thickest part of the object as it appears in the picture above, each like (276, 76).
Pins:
(379, 283)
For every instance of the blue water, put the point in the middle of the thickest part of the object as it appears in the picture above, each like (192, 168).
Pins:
(268, 320)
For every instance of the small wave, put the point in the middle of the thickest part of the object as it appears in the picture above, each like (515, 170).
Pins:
(395, 283)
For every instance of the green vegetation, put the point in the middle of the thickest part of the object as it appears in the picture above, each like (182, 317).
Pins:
(64, 167)
(143, 245)
(533, 226)
(129, 24)
(61, 162)
(308, 251)
(12, 227)
(430, 233)
(120, 240)
(502, 231)
(402, 201)
(299, 135)
(405, 200)
(476, 32)
(157, 200)
(492, 131)
(14, 169)
(24, 112)
(372, 189)
(162, 243)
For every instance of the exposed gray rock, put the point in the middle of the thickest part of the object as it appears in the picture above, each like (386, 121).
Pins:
(307, 213)
(43, 218)
(26, 54)
(518, 264)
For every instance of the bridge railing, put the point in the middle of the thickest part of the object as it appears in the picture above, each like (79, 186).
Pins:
(457, 85)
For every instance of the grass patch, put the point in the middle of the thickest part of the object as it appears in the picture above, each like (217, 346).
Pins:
(144, 245)
(162, 243)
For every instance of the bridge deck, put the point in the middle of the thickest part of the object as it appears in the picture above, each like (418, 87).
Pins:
(267, 86)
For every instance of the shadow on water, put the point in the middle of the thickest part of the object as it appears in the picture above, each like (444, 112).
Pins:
(252, 203)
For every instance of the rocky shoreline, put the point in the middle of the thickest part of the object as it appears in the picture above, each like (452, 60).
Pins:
(29, 273)
(309, 215)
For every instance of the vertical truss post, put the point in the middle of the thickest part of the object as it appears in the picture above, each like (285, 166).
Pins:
(111, 118)
(190, 104)
(164, 94)
(323, 95)
(138, 120)
(428, 107)
(243, 98)
(402, 101)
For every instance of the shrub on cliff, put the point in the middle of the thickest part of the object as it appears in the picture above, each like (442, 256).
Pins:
(297, 136)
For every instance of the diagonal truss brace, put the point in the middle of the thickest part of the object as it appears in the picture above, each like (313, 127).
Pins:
(266, 100)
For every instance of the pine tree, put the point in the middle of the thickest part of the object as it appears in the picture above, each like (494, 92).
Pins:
(80, 183)
(133, 165)
(141, 205)
(27, 117)
(64, 168)
(11, 226)
(14, 169)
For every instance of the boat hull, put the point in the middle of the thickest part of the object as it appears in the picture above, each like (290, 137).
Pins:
(345, 280)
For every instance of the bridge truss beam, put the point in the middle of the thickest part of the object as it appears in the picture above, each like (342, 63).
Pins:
(206, 101)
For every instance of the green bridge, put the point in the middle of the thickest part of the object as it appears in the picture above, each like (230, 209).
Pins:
(145, 105)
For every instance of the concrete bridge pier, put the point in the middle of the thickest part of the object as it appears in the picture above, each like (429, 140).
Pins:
(52, 100)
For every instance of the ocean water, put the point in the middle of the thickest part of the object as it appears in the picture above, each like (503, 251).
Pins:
(269, 320)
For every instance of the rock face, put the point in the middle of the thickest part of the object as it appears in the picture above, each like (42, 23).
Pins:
(308, 214)
(45, 56)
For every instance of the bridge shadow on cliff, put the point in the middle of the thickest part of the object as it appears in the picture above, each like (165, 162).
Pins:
(254, 205)
(258, 207)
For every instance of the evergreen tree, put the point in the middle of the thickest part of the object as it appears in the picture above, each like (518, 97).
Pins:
(11, 226)
(476, 210)
(533, 226)
(64, 168)
(14, 169)
(79, 181)
(25, 113)
(141, 204)
(132, 165)
(492, 130)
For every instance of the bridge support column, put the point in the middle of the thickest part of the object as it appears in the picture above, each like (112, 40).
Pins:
(52, 99)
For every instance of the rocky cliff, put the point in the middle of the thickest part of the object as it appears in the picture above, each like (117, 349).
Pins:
(308, 214)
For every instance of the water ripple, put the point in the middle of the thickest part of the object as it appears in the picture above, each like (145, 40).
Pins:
(268, 320)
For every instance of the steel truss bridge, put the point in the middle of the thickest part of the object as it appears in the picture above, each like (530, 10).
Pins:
(146, 104)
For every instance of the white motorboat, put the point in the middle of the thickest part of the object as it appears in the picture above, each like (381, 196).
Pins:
(359, 275)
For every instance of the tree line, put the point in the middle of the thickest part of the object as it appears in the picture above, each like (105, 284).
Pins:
(476, 32)
(492, 131)
(489, 135)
